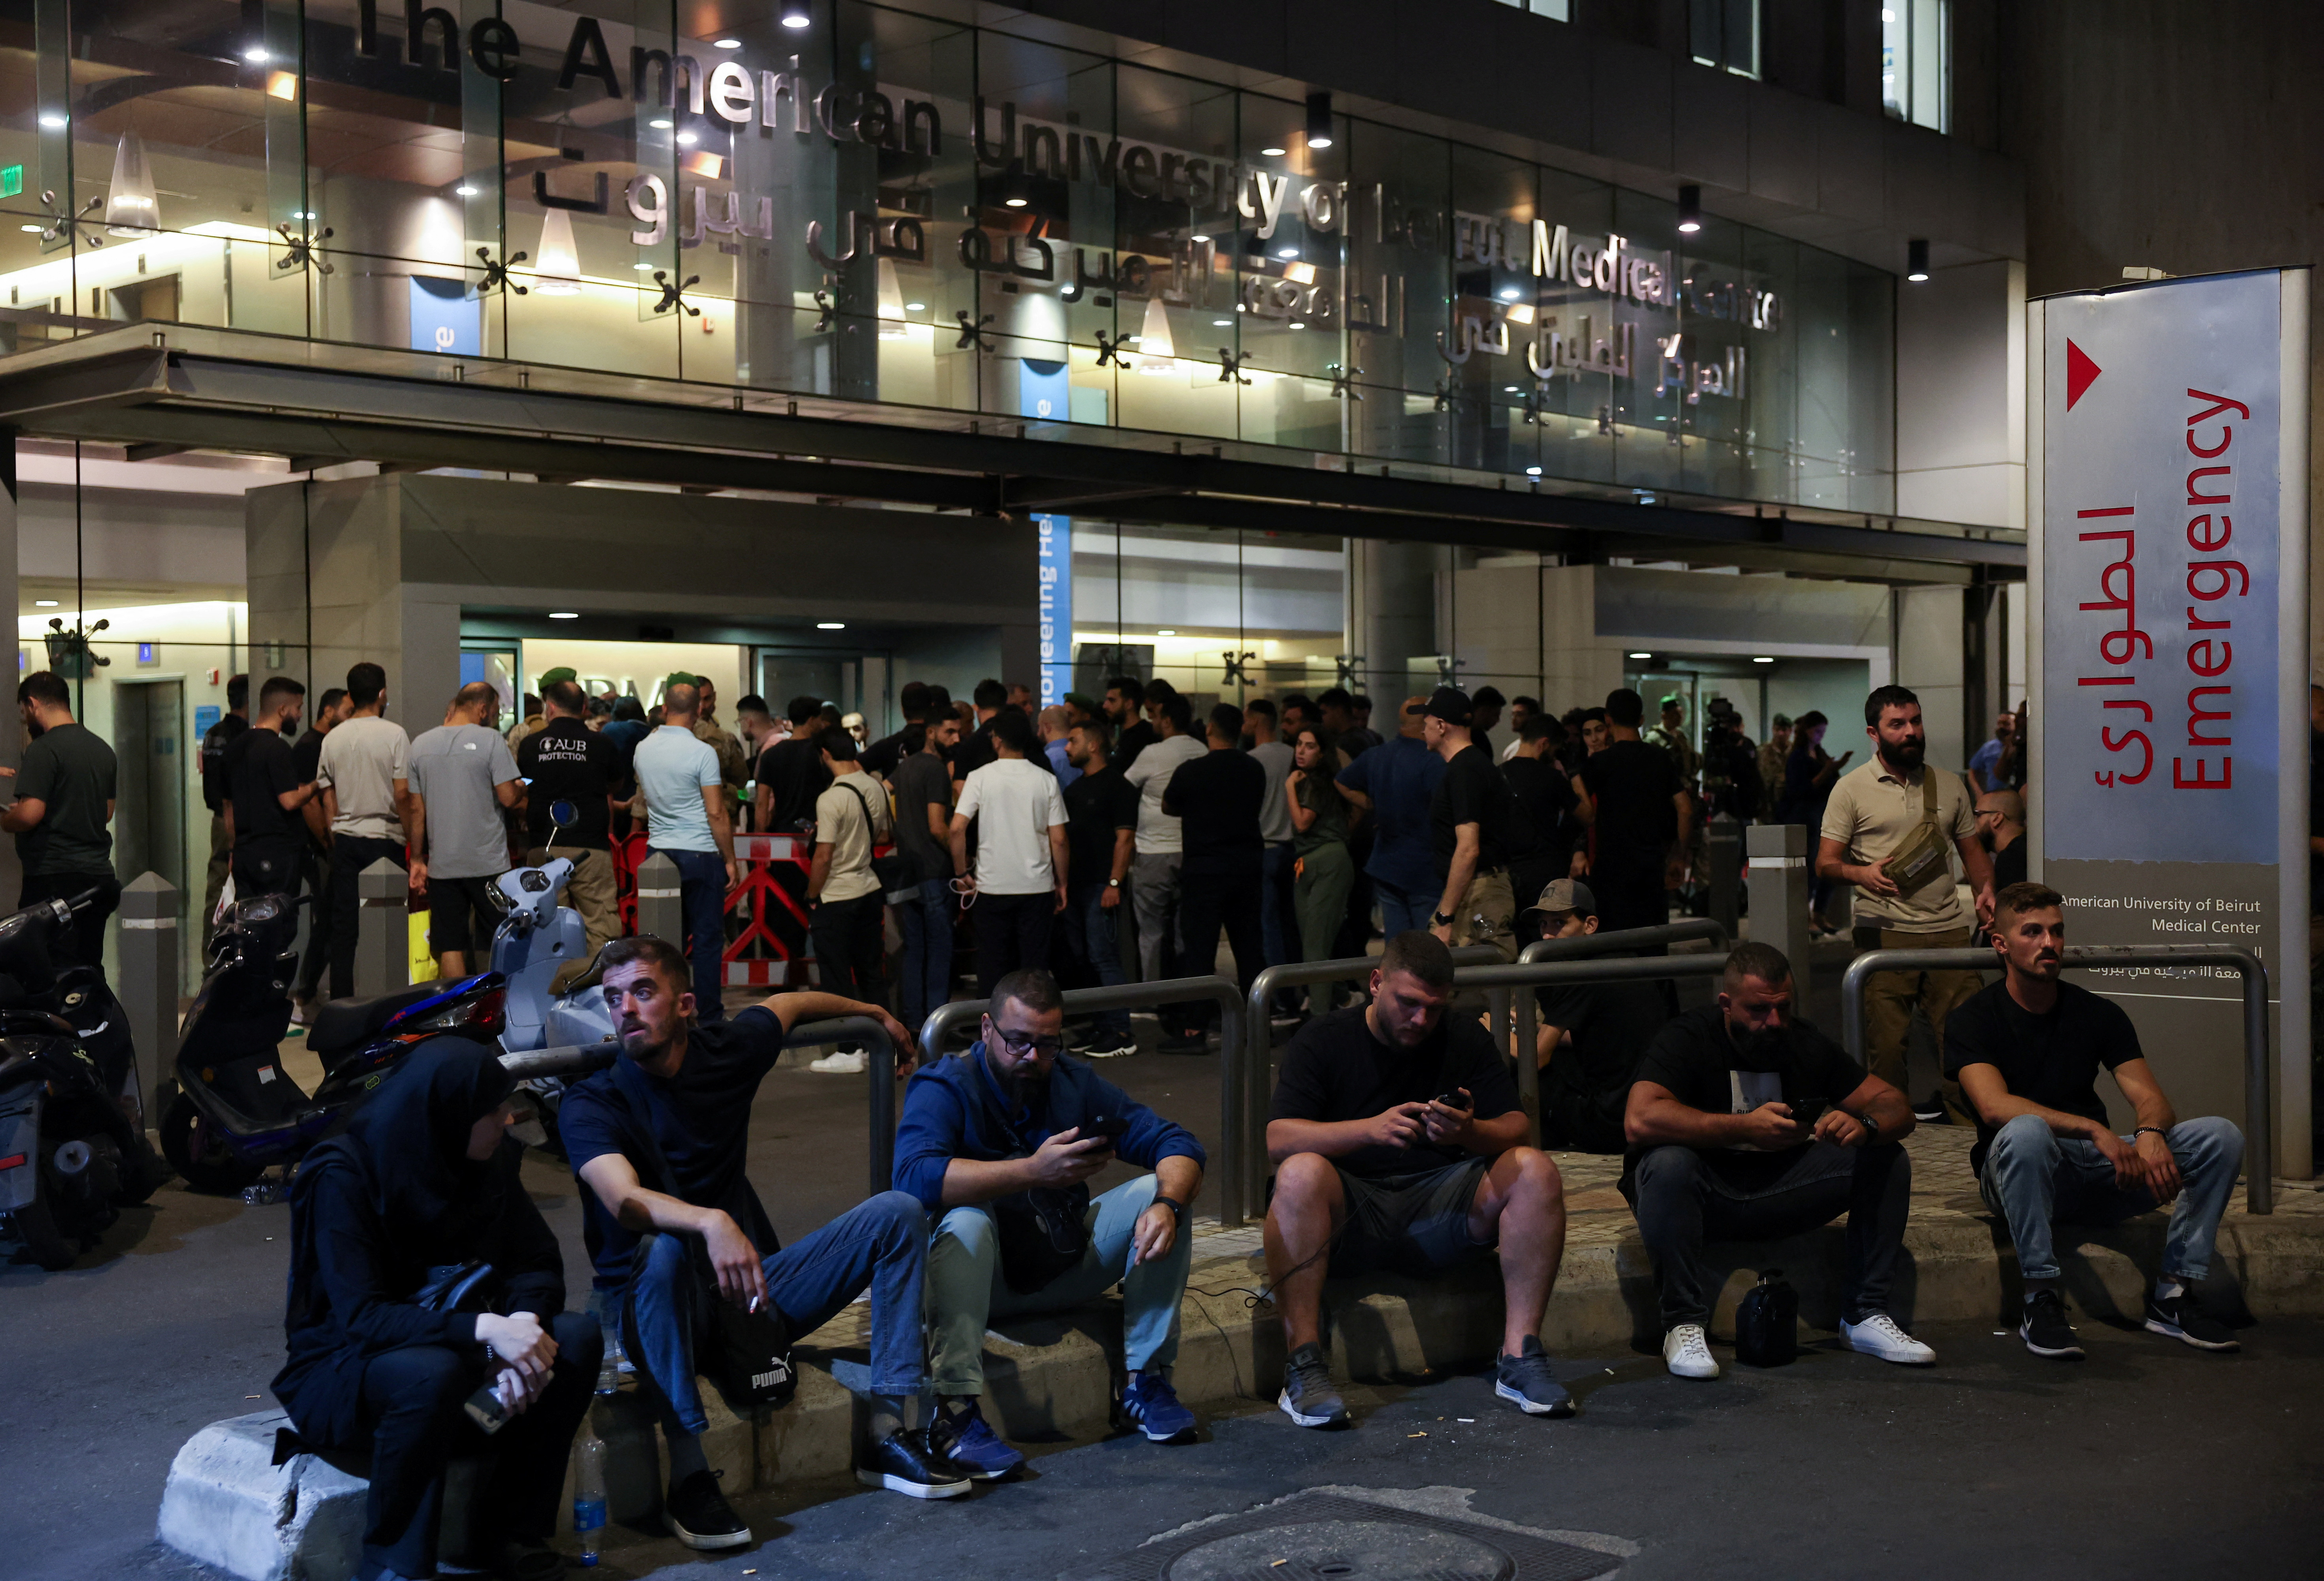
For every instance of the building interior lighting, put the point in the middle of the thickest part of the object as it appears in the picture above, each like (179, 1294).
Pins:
(132, 208)
(52, 119)
(466, 190)
(659, 122)
(1521, 313)
(795, 15)
(563, 614)
(44, 603)
(1690, 210)
(558, 261)
(1916, 253)
(34, 230)
(688, 140)
(728, 43)
(283, 85)
(1533, 472)
(831, 625)
(1286, 252)
(1273, 154)
(1198, 238)
(1302, 274)
(1319, 120)
(1642, 656)
(1167, 632)
(256, 55)
(1156, 355)
(1508, 293)
(1216, 323)
(1762, 659)
(916, 307)
(1013, 202)
(891, 293)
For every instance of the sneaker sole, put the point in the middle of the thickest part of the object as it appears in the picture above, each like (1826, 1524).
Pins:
(1185, 1435)
(1531, 1407)
(708, 1542)
(910, 1489)
(2172, 1331)
(1929, 1360)
(2070, 1353)
(977, 1473)
(1327, 1420)
(1694, 1377)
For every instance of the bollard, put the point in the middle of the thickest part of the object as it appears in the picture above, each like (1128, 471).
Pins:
(382, 936)
(1723, 841)
(1779, 895)
(151, 965)
(662, 914)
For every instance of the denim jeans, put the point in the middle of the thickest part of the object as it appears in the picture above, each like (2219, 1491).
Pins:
(1094, 934)
(702, 892)
(1401, 910)
(1681, 1198)
(1278, 918)
(2034, 1178)
(882, 1243)
(966, 1290)
(926, 926)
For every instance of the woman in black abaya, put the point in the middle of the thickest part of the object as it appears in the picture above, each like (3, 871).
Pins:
(423, 1180)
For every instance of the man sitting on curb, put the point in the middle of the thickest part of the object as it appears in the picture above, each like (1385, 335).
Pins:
(2026, 1052)
(1398, 1142)
(674, 1111)
(995, 1139)
(1748, 1124)
(1590, 1035)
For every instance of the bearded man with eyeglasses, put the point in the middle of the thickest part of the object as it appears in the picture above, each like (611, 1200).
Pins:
(1003, 1141)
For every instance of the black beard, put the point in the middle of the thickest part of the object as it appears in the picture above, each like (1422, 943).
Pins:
(1761, 1050)
(1905, 756)
(1030, 1089)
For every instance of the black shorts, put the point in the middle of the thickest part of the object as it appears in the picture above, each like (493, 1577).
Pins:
(461, 917)
(1411, 1224)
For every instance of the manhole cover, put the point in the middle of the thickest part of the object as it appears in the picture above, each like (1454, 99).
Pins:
(1345, 1550)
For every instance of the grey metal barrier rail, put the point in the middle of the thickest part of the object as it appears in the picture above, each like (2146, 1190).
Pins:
(2259, 1136)
(1254, 1065)
(1178, 990)
(880, 1070)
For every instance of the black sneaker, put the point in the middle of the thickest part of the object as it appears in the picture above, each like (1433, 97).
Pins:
(1526, 1381)
(700, 1516)
(2045, 1330)
(2184, 1321)
(1932, 1111)
(905, 1462)
(1309, 1397)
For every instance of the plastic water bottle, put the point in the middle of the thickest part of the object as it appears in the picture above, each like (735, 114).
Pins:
(589, 1492)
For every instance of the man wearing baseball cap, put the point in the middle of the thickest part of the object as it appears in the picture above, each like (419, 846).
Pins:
(1589, 1035)
(1476, 829)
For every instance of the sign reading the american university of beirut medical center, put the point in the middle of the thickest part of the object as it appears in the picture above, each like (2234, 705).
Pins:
(2169, 658)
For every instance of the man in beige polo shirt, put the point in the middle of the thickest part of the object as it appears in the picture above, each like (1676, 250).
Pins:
(1874, 816)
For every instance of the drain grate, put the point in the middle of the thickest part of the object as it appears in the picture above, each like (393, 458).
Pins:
(1324, 1537)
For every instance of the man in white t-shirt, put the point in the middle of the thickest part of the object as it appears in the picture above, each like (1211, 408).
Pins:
(1017, 885)
(1160, 849)
(850, 817)
(365, 774)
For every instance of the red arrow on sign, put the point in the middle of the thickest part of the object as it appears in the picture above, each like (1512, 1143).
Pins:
(2081, 372)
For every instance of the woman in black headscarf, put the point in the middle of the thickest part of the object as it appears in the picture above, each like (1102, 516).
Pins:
(422, 1180)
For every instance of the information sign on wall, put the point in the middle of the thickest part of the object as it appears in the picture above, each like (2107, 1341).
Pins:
(1056, 606)
(2168, 568)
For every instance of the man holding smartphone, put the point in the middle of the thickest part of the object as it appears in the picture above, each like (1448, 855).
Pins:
(1002, 1141)
(1747, 1124)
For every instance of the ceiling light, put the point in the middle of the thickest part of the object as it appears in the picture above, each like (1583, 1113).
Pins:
(1156, 352)
(1642, 656)
(1286, 252)
(831, 625)
(641, 268)
(1690, 210)
(916, 307)
(1296, 324)
(556, 261)
(1319, 120)
(256, 55)
(1510, 387)
(1533, 472)
(1216, 323)
(728, 43)
(890, 294)
(1509, 294)
(51, 119)
(659, 123)
(563, 614)
(1012, 203)
(1167, 632)
(1763, 660)
(35, 230)
(465, 189)
(1198, 238)
(795, 15)
(688, 140)
(44, 603)
(1916, 253)
(1273, 154)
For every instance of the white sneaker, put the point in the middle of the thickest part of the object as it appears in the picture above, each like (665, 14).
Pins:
(1107, 1049)
(1686, 1353)
(1878, 1336)
(845, 1063)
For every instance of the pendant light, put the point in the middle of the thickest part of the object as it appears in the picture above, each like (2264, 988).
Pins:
(557, 265)
(892, 326)
(132, 208)
(1156, 354)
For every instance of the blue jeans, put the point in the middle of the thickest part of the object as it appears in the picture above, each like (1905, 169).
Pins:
(966, 1290)
(702, 892)
(881, 1242)
(926, 925)
(1278, 919)
(1402, 910)
(2034, 1178)
(1094, 934)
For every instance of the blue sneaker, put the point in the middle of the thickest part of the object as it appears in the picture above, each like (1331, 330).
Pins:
(1151, 1405)
(963, 1435)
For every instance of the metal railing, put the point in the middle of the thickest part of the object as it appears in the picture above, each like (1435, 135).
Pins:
(2259, 1136)
(1232, 1187)
(879, 1069)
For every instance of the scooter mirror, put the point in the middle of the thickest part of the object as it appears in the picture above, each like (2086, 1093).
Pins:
(564, 814)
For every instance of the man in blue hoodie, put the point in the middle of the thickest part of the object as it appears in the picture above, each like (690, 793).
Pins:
(1002, 1140)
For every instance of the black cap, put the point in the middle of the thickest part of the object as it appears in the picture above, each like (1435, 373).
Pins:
(1451, 705)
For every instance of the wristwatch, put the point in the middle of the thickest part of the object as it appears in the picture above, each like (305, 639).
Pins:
(1442, 919)
(1870, 1124)
(1113, 883)
(1177, 1208)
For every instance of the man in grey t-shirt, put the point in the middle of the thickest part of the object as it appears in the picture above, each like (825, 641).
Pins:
(462, 776)
(1277, 924)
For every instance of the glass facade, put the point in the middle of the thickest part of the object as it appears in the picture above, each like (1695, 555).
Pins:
(884, 207)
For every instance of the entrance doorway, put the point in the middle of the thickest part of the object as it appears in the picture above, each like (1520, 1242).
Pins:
(149, 819)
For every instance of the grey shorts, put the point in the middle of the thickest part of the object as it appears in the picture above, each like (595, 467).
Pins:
(1411, 1224)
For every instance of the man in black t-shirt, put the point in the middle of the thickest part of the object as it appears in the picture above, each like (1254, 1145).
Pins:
(1476, 829)
(264, 825)
(2026, 1052)
(62, 817)
(1639, 811)
(659, 1144)
(1545, 793)
(215, 741)
(1125, 695)
(1100, 831)
(1399, 1144)
(1216, 798)
(1590, 1035)
(1747, 1124)
(566, 761)
(790, 773)
(307, 755)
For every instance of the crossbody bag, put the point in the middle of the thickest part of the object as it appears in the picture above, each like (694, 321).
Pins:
(1921, 860)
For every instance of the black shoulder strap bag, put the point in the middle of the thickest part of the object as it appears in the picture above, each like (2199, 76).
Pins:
(748, 1354)
(1043, 1230)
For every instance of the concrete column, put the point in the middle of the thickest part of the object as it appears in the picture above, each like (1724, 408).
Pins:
(1391, 615)
(150, 958)
(660, 914)
(383, 935)
(12, 728)
(1779, 895)
(1724, 839)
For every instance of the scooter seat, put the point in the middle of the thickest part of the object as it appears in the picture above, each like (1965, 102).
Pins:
(591, 976)
(342, 1023)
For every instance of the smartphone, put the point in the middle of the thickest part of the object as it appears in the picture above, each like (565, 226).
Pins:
(1113, 1128)
(1453, 1099)
(1807, 1111)
(486, 1410)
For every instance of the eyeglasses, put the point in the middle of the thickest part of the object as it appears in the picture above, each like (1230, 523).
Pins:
(1021, 1044)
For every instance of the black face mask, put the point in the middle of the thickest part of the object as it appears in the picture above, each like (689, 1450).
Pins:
(1906, 758)
(1760, 1049)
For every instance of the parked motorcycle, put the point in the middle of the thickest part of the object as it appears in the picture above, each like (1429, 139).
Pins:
(237, 1112)
(537, 939)
(70, 1155)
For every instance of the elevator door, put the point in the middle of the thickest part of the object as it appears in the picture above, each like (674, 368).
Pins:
(149, 817)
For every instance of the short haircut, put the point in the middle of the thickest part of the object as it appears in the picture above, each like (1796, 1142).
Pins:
(1488, 697)
(1299, 699)
(469, 695)
(1158, 690)
(1883, 698)
(1179, 712)
(331, 699)
(1227, 719)
(1334, 697)
(2018, 899)
(237, 692)
(831, 716)
(1763, 961)
(566, 696)
(1532, 705)
(627, 706)
(365, 683)
(1260, 706)
(1422, 954)
(837, 745)
(750, 703)
(681, 697)
(1013, 730)
(1626, 708)
(1099, 730)
(913, 738)
(939, 701)
(45, 687)
(802, 708)
(990, 694)
(601, 707)
(1029, 986)
(2007, 803)
(667, 961)
(281, 686)
(1131, 688)
(913, 699)
(1361, 703)
(1541, 726)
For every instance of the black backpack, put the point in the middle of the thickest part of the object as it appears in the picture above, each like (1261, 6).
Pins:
(1767, 1322)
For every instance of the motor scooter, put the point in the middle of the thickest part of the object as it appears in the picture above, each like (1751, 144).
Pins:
(238, 1113)
(71, 1157)
(537, 938)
